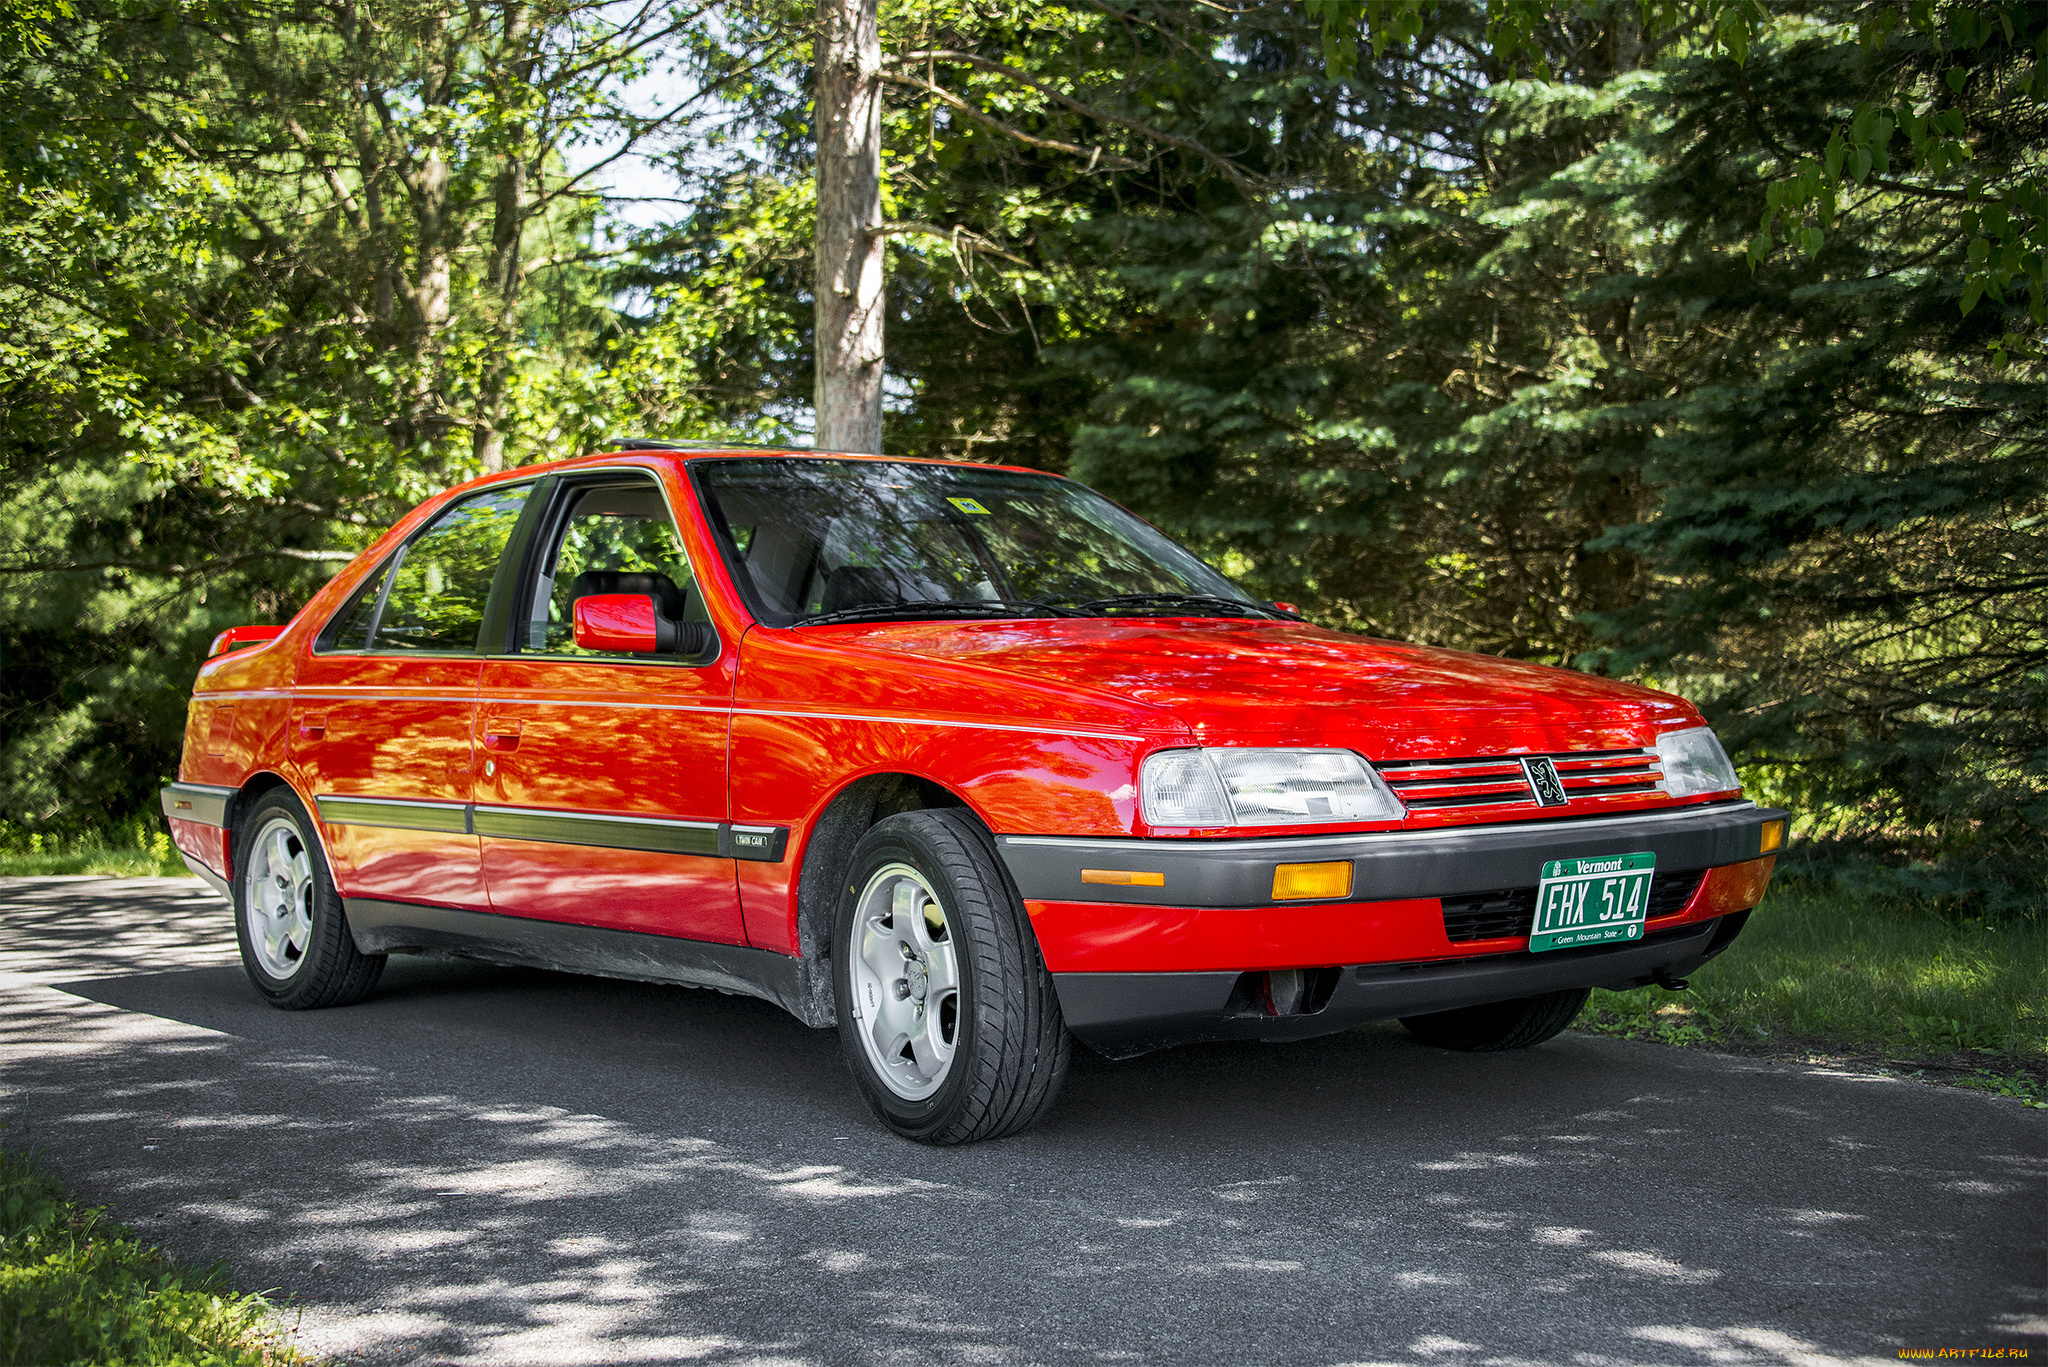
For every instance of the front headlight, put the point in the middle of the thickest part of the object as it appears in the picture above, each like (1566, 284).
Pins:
(1695, 763)
(1230, 786)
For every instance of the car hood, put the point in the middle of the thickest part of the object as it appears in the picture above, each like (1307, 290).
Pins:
(1291, 683)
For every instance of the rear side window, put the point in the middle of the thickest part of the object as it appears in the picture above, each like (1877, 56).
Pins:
(431, 597)
(350, 629)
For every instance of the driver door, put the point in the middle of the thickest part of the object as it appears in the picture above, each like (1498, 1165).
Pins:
(600, 783)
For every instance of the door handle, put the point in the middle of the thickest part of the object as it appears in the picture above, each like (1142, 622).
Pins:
(501, 736)
(313, 726)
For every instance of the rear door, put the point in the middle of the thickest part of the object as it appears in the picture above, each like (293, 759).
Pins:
(601, 786)
(384, 710)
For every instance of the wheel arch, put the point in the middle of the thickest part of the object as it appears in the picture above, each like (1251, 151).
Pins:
(246, 797)
(828, 852)
(828, 848)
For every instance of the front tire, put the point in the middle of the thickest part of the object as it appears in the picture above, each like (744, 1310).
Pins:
(296, 945)
(947, 1016)
(1498, 1026)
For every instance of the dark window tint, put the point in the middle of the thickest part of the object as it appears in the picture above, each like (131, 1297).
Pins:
(443, 577)
(614, 538)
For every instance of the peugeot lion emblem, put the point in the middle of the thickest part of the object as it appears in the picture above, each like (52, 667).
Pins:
(1543, 781)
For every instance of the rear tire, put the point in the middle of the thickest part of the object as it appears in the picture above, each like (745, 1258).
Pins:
(296, 945)
(1497, 1026)
(948, 1018)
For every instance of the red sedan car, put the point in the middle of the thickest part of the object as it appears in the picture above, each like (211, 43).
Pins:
(965, 760)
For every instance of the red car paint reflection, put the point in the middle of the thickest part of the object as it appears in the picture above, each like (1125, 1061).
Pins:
(557, 772)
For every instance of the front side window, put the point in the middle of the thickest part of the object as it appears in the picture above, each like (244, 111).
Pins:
(812, 539)
(431, 596)
(610, 538)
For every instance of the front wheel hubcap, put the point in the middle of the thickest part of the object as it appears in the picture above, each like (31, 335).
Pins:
(906, 981)
(277, 897)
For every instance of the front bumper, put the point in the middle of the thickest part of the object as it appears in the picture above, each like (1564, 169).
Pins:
(1157, 962)
(1125, 1014)
(1389, 865)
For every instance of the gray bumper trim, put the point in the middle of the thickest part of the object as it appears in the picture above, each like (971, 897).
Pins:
(1124, 1014)
(200, 802)
(208, 876)
(1387, 865)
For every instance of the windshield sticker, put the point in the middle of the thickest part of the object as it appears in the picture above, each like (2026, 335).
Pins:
(968, 505)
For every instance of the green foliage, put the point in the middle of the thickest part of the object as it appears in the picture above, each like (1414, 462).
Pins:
(1978, 76)
(270, 277)
(137, 849)
(1510, 381)
(1849, 518)
(25, 24)
(76, 1288)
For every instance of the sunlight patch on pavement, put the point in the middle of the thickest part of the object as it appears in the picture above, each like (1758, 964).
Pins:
(1652, 1265)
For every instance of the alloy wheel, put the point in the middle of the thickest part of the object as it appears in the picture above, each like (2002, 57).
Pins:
(277, 897)
(906, 982)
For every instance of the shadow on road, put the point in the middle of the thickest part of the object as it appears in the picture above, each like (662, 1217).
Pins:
(508, 1165)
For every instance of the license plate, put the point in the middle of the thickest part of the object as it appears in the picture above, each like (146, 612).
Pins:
(1583, 902)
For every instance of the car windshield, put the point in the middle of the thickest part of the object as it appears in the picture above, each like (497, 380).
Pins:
(816, 540)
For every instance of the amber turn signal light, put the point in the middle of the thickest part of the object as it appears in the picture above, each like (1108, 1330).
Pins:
(1124, 878)
(1295, 882)
(1773, 836)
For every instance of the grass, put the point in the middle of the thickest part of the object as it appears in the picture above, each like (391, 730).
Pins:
(1817, 976)
(137, 851)
(77, 1288)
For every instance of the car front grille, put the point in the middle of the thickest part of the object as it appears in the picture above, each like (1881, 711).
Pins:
(1507, 913)
(1498, 781)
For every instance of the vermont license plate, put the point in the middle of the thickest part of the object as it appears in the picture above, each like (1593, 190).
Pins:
(1591, 901)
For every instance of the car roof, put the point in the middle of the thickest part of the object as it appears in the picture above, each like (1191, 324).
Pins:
(690, 452)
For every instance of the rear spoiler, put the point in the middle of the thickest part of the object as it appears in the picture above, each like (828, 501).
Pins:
(235, 638)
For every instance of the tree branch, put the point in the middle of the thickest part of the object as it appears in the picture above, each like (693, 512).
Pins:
(1095, 155)
(1236, 174)
(955, 234)
(176, 571)
(333, 177)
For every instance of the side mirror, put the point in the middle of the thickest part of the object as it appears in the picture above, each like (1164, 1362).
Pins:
(632, 624)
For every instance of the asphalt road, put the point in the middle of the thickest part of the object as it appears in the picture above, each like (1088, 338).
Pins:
(493, 1165)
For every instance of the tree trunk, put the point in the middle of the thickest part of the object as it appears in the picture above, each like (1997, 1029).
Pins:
(511, 206)
(1611, 580)
(432, 300)
(508, 225)
(849, 238)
